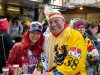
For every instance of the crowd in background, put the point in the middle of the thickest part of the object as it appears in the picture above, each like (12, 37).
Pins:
(18, 31)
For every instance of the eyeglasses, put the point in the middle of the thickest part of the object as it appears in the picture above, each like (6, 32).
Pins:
(80, 27)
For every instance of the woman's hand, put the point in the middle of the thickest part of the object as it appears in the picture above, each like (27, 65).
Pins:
(95, 54)
(96, 57)
(17, 71)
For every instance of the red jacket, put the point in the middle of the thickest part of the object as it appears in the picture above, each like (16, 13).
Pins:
(17, 55)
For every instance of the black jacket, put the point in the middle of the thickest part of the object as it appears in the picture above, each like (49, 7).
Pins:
(6, 42)
(93, 39)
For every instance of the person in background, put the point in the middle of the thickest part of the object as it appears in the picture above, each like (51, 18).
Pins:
(98, 23)
(47, 32)
(92, 55)
(65, 47)
(16, 30)
(92, 29)
(26, 26)
(29, 50)
(6, 42)
(45, 25)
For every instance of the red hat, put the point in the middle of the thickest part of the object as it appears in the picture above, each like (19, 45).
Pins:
(52, 13)
(4, 25)
(79, 23)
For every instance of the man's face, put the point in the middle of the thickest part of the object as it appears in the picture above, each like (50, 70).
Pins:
(56, 25)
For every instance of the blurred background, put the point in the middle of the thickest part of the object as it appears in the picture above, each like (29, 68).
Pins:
(30, 9)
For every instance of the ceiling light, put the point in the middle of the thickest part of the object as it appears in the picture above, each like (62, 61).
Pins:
(0, 7)
(81, 8)
(13, 9)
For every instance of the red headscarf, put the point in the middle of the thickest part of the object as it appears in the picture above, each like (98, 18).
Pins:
(37, 48)
(79, 23)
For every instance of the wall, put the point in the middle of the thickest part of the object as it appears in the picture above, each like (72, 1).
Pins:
(88, 13)
(92, 17)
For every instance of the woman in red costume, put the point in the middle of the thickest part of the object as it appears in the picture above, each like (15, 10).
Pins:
(29, 50)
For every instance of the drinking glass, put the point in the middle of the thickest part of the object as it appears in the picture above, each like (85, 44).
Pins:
(5, 70)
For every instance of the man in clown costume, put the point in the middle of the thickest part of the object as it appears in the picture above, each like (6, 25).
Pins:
(65, 47)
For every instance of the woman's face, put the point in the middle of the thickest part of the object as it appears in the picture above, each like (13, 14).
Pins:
(81, 29)
(34, 36)
(56, 25)
(94, 30)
